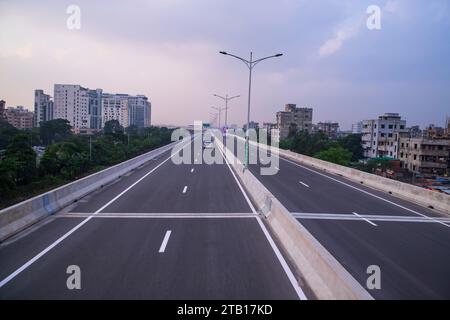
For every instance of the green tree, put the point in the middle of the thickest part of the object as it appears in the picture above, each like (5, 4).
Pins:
(23, 158)
(352, 143)
(68, 159)
(112, 127)
(336, 155)
(7, 133)
(54, 131)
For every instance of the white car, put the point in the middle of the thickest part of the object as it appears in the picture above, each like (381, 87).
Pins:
(208, 142)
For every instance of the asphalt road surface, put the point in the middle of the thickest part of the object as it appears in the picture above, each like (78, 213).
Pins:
(361, 227)
(164, 231)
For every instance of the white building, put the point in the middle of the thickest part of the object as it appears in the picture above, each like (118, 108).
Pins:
(43, 107)
(380, 136)
(357, 128)
(115, 107)
(71, 102)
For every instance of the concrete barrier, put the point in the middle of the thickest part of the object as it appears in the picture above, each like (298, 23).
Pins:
(20, 216)
(420, 196)
(323, 274)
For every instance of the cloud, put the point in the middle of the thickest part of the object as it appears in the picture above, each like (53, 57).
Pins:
(345, 32)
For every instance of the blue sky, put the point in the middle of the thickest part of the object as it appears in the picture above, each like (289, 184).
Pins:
(168, 50)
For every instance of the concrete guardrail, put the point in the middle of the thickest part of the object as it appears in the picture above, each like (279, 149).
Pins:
(21, 215)
(323, 274)
(420, 196)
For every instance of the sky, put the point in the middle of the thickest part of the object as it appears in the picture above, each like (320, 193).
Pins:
(169, 51)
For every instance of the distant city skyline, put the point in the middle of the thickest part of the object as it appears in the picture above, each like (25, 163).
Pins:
(168, 51)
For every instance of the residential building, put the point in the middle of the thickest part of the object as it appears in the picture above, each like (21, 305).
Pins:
(20, 117)
(293, 118)
(331, 129)
(43, 107)
(2, 110)
(380, 136)
(415, 132)
(424, 155)
(115, 107)
(357, 128)
(71, 102)
(252, 125)
(434, 132)
(95, 108)
(269, 126)
(140, 110)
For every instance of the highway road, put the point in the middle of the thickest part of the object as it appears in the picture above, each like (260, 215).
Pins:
(164, 231)
(361, 226)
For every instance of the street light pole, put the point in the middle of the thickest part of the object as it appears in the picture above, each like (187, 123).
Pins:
(250, 65)
(219, 111)
(226, 99)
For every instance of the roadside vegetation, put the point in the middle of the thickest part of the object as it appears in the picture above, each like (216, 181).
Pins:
(67, 156)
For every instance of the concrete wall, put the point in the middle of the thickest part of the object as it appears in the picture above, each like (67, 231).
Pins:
(421, 196)
(323, 274)
(17, 217)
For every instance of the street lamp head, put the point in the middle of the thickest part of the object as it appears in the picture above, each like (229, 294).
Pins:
(223, 52)
(278, 55)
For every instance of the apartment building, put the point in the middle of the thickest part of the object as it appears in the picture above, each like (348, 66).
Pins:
(424, 155)
(331, 129)
(20, 117)
(380, 136)
(140, 110)
(293, 118)
(2, 110)
(115, 107)
(43, 107)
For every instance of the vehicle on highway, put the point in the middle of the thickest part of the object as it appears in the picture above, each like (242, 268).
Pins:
(208, 141)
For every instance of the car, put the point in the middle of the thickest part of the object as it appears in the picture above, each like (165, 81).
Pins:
(208, 142)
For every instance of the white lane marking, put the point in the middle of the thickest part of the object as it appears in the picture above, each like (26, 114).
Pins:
(184, 189)
(346, 217)
(301, 295)
(192, 170)
(365, 219)
(165, 240)
(60, 239)
(366, 192)
(361, 190)
(304, 184)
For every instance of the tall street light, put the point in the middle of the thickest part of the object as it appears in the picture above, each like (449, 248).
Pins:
(250, 65)
(226, 99)
(220, 112)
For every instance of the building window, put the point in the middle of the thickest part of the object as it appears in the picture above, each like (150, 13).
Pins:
(415, 146)
(391, 126)
(415, 157)
(383, 126)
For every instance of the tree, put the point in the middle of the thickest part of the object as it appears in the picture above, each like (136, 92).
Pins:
(336, 155)
(112, 127)
(54, 131)
(23, 158)
(67, 158)
(352, 143)
(7, 133)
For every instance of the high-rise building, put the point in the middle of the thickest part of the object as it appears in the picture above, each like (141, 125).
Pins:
(79, 105)
(2, 110)
(293, 118)
(20, 117)
(71, 102)
(115, 107)
(43, 107)
(95, 108)
(140, 110)
(380, 136)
